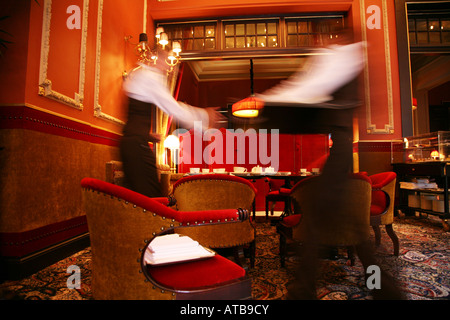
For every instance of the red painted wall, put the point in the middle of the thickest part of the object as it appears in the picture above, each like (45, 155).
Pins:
(106, 50)
(108, 55)
(379, 118)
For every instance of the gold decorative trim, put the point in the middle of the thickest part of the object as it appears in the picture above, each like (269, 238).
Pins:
(97, 107)
(45, 84)
(371, 127)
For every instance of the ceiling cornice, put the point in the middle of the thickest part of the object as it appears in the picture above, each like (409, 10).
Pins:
(194, 9)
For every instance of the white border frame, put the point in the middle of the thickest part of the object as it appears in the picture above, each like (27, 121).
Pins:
(45, 84)
(97, 107)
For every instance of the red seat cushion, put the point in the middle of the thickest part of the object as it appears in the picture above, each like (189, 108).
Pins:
(376, 209)
(196, 274)
(379, 202)
(282, 192)
(291, 221)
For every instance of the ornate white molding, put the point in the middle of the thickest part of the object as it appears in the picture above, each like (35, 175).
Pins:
(371, 127)
(97, 107)
(45, 84)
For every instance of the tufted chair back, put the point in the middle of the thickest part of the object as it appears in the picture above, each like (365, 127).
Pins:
(217, 191)
(213, 191)
(121, 225)
(343, 223)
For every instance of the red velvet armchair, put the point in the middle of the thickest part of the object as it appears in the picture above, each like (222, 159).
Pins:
(382, 207)
(122, 223)
(218, 191)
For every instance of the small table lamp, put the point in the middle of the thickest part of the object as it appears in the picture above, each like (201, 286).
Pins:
(171, 143)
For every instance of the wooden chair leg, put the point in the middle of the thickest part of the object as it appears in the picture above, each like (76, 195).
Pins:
(282, 250)
(287, 206)
(376, 230)
(394, 238)
(267, 209)
(239, 257)
(254, 209)
(351, 255)
(272, 208)
(252, 253)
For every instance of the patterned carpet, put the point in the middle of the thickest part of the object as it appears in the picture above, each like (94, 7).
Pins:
(422, 269)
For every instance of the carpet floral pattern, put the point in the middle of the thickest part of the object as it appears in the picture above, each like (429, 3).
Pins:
(422, 269)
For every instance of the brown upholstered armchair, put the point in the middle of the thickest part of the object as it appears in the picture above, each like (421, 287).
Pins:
(346, 224)
(218, 191)
(122, 224)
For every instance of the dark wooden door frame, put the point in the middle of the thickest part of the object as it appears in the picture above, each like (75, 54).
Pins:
(401, 17)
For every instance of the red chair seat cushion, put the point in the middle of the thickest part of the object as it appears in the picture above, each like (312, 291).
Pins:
(376, 209)
(291, 221)
(379, 202)
(196, 274)
(280, 192)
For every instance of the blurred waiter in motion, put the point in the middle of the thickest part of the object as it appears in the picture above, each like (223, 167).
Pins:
(330, 79)
(147, 86)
